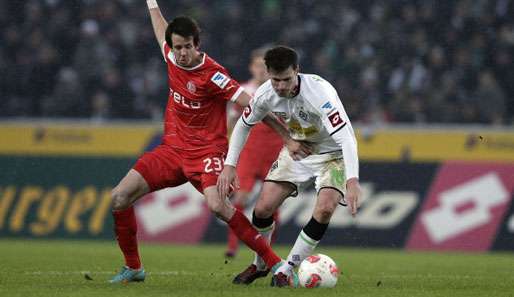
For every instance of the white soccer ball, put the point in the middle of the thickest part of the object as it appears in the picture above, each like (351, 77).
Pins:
(318, 271)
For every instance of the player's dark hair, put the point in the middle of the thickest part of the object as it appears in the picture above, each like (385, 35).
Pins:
(281, 58)
(184, 26)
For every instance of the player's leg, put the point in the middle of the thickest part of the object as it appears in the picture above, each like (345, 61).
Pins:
(239, 199)
(314, 230)
(330, 183)
(131, 187)
(271, 197)
(204, 176)
(155, 170)
(237, 221)
(246, 171)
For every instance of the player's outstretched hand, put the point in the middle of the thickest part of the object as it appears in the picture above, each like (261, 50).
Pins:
(353, 193)
(298, 149)
(226, 178)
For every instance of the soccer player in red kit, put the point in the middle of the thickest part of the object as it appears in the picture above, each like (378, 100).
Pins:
(193, 146)
(263, 142)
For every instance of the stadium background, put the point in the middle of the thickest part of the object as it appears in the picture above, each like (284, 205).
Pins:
(428, 85)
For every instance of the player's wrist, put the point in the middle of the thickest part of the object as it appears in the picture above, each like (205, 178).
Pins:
(230, 166)
(152, 4)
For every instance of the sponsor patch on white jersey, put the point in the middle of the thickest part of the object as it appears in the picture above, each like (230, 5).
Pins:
(220, 79)
(328, 108)
(335, 119)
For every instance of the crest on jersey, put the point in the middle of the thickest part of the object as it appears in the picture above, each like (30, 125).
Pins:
(191, 87)
(220, 79)
(335, 119)
(303, 115)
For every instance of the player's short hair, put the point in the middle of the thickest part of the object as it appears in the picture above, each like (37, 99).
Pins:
(184, 26)
(280, 58)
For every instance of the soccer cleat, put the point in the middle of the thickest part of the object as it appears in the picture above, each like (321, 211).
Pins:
(249, 275)
(281, 279)
(127, 275)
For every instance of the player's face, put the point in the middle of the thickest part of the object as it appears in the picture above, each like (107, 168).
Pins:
(285, 82)
(258, 69)
(186, 53)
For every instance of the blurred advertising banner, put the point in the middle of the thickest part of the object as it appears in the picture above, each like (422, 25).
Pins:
(465, 207)
(58, 197)
(392, 195)
(422, 190)
(130, 140)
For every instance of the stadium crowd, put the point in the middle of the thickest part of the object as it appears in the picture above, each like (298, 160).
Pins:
(423, 61)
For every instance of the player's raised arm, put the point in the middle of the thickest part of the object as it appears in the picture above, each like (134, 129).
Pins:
(158, 22)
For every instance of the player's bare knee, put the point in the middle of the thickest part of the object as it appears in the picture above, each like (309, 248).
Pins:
(120, 199)
(324, 210)
(263, 211)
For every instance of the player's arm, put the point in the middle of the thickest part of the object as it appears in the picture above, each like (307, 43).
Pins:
(348, 143)
(158, 22)
(298, 150)
(338, 126)
(237, 141)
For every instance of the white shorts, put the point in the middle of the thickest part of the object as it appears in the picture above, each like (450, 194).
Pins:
(327, 169)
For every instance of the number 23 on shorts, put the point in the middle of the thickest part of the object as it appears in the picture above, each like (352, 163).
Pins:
(213, 164)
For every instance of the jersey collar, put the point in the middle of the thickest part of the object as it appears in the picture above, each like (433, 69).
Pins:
(171, 56)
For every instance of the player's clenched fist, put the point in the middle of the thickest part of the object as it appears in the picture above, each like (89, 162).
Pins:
(226, 178)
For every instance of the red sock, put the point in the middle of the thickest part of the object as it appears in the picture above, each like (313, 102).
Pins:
(232, 240)
(247, 233)
(125, 227)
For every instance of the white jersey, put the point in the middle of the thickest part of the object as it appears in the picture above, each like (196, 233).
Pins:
(315, 115)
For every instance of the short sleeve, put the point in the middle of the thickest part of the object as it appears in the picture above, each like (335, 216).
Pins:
(224, 86)
(167, 55)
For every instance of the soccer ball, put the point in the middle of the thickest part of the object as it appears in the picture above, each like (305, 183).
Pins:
(318, 271)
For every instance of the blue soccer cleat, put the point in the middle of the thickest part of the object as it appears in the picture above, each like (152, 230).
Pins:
(127, 275)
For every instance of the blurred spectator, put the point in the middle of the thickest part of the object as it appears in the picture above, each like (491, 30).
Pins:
(392, 61)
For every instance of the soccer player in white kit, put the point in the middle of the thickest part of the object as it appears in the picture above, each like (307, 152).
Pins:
(311, 109)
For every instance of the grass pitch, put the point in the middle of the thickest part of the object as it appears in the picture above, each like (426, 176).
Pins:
(58, 268)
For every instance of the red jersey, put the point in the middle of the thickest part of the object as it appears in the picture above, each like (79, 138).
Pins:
(195, 117)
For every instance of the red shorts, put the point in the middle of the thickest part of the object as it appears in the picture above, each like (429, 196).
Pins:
(256, 159)
(166, 167)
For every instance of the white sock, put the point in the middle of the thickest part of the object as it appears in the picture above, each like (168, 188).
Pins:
(303, 247)
(266, 234)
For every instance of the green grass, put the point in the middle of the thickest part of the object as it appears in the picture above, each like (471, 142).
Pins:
(56, 268)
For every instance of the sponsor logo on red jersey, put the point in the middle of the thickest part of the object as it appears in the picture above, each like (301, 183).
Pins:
(220, 79)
